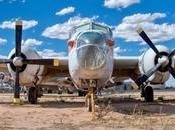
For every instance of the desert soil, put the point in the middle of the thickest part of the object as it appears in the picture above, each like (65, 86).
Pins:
(124, 111)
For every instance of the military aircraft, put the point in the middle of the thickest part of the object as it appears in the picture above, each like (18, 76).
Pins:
(90, 64)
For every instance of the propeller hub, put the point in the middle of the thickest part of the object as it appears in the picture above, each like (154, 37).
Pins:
(163, 60)
(17, 61)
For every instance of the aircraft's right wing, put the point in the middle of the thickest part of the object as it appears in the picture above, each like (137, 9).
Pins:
(126, 67)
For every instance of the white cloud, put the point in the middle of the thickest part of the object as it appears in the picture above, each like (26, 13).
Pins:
(120, 3)
(11, 24)
(62, 30)
(31, 42)
(157, 32)
(118, 50)
(51, 53)
(2, 41)
(142, 50)
(12, 1)
(66, 11)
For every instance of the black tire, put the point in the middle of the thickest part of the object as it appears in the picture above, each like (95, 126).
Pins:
(32, 95)
(148, 94)
(49, 91)
(89, 104)
(81, 93)
(69, 91)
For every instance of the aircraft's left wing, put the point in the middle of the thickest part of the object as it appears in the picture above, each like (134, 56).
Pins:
(60, 70)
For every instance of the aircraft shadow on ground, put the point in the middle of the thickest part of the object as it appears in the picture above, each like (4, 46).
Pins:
(62, 104)
(130, 106)
(122, 105)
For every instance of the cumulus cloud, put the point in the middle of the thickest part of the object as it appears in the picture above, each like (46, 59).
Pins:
(142, 50)
(11, 24)
(120, 3)
(157, 32)
(62, 30)
(31, 42)
(64, 11)
(118, 50)
(12, 1)
(2, 41)
(51, 53)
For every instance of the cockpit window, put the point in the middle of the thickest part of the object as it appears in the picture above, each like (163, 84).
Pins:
(82, 27)
(91, 26)
(91, 38)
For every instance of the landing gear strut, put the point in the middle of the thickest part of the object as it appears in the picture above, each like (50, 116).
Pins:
(89, 98)
(89, 101)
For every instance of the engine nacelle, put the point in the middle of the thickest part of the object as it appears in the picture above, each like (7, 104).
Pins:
(149, 59)
(28, 72)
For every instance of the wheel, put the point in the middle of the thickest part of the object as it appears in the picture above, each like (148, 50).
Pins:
(148, 94)
(81, 93)
(32, 95)
(59, 91)
(49, 91)
(69, 91)
(89, 104)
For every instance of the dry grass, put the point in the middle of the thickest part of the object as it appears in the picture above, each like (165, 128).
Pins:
(121, 112)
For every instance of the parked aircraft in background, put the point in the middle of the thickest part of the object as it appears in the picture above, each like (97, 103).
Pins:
(90, 64)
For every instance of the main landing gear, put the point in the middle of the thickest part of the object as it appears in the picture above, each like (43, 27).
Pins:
(32, 95)
(148, 93)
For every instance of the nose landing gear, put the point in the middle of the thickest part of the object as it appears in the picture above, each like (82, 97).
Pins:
(90, 97)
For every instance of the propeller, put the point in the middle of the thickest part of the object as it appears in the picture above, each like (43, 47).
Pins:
(18, 61)
(165, 62)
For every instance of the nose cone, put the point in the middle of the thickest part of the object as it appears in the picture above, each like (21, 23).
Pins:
(90, 57)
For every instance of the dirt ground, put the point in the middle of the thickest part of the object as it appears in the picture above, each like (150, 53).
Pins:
(124, 111)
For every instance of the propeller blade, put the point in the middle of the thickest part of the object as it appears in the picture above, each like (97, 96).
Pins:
(18, 38)
(171, 54)
(5, 61)
(147, 40)
(171, 70)
(145, 77)
(52, 62)
(17, 86)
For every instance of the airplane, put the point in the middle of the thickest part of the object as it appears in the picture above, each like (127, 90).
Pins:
(90, 64)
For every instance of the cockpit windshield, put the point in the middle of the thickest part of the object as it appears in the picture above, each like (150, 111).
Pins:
(91, 26)
(95, 38)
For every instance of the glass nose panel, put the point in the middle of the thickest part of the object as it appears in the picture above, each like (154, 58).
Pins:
(90, 57)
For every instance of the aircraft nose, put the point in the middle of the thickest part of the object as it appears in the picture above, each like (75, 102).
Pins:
(91, 57)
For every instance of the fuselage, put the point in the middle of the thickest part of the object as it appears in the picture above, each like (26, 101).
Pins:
(90, 57)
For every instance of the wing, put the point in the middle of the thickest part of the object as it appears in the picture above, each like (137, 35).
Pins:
(126, 67)
(52, 73)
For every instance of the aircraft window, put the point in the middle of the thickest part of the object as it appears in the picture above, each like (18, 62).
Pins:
(97, 27)
(83, 27)
(91, 38)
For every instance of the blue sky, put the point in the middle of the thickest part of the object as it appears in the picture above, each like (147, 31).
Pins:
(48, 22)
(43, 15)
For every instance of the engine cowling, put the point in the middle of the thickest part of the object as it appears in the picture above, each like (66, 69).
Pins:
(27, 72)
(149, 59)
